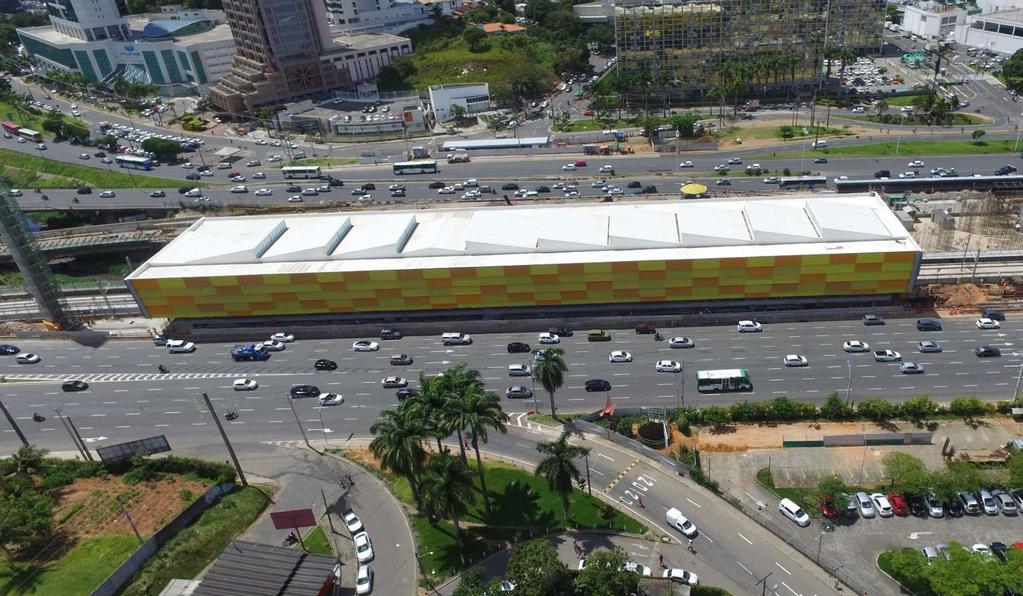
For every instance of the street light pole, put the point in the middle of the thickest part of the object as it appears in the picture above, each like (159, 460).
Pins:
(24, 441)
(1015, 394)
(848, 386)
(589, 487)
(682, 387)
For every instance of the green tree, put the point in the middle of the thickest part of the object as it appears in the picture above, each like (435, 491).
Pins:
(685, 123)
(956, 477)
(455, 382)
(1012, 71)
(107, 142)
(457, 112)
(832, 489)
(604, 574)
(602, 35)
(919, 408)
(558, 466)
(1015, 469)
(876, 409)
(536, 570)
(783, 408)
(448, 490)
(715, 416)
(398, 437)
(25, 520)
(475, 38)
(54, 123)
(479, 411)
(164, 149)
(550, 372)
(881, 107)
(835, 408)
(907, 473)
(966, 407)
(963, 573)
(473, 582)
(430, 404)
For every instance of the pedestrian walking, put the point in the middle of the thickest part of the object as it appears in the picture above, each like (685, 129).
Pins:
(640, 501)
(351, 482)
(661, 558)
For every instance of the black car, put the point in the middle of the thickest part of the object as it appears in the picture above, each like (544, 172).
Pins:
(100, 154)
(954, 508)
(928, 324)
(543, 188)
(650, 189)
(597, 385)
(994, 314)
(8, 350)
(634, 184)
(406, 392)
(84, 190)
(369, 186)
(987, 352)
(305, 391)
(390, 334)
(999, 549)
(193, 176)
(324, 364)
(917, 504)
(437, 184)
(821, 160)
(516, 347)
(560, 331)
(293, 188)
(883, 174)
(510, 186)
(401, 360)
(871, 320)
(335, 182)
(74, 386)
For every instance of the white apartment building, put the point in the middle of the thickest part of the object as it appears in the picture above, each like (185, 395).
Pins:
(1000, 32)
(387, 16)
(472, 97)
(931, 20)
(364, 54)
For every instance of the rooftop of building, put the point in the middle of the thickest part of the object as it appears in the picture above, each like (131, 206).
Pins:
(340, 108)
(137, 24)
(531, 235)
(368, 41)
(451, 86)
(1014, 15)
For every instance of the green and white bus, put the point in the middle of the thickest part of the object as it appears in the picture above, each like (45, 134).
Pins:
(302, 172)
(421, 166)
(721, 381)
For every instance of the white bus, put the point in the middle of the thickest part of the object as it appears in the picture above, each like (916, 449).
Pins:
(302, 172)
(422, 166)
(717, 381)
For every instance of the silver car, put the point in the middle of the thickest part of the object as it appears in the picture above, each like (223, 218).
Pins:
(864, 504)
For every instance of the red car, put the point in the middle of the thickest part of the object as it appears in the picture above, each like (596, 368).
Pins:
(828, 508)
(232, 174)
(580, 163)
(899, 505)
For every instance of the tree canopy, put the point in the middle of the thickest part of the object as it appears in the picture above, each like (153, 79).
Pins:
(604, 574)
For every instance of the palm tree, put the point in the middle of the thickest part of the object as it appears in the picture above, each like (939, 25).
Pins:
(881, 107)
(558, 466)
(398, 441)
(430, 404)
(550, 371)
(478, 411)
(457, 381)
(448, 490)
(26, 462)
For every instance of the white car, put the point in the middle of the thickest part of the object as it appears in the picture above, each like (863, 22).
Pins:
(285, 337)
(569, 167)
(264, 192)
(27, 358)
(259, 176)
(238, 178)
(795, 360)
(518, 370)
(681, 342)
(295, 199)
(668, 366)
(83, 156)
(331, 399)
(363, 547)
(108, 194)
(364, 345)
(864, 504)
(907, 175)
(887, 356)
(41, 146)
(916, 163)
(180, 346)
(749, 327)
(884, 507)
(273, 346)
(619, 356)
(245, 385)
(548, 338)
(855, 345)
(240, 188)
(986, 323)
(686, 164)
(681, 575)
(352, 521)
(364, 580)
(274, 158)
(635, 567)
(447, 190)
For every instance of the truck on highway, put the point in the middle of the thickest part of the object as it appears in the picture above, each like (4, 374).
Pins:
(249, 352)
(887, 356)
(458, 158)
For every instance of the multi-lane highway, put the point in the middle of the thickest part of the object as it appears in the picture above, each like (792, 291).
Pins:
(128, 398)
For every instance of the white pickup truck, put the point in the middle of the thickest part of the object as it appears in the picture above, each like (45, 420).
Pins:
(887, 356)
(458, 158)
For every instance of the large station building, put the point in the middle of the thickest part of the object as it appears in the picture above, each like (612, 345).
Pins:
(527, 256)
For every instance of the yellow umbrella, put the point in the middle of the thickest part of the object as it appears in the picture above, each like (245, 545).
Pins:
(693, 189)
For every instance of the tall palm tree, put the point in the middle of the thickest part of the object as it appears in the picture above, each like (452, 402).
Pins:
(454, 382)
(558, 466)
(398, 438)
(430, 404)
(550, 371)
(479, 411)
(448, 490)
(24, 465)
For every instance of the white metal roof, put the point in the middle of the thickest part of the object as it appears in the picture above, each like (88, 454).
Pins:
(532, 234)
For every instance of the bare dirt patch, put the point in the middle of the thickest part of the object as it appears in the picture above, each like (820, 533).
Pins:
(92, 506)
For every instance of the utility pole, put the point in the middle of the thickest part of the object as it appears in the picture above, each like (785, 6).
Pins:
(848, 386)
(85, 448)
(227, 442)
(589, 487)
(291, 404)
(763, 592)
(131, 523)
(70, 434)
(24, 441)
(1015, 394)
(326, 509)
(682, 387)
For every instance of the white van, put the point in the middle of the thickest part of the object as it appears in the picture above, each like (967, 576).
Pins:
(819, 144)
(195, 192)
(456, 339)
(794, 512)
(180, 346)
(681, 523)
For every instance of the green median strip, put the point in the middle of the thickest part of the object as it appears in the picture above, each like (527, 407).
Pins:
(30, 171)
(907, 148)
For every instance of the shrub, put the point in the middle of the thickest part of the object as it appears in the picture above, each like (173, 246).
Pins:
(186, 495)
(703, 479)
(919, 408)
(876, 409)
(966, 406)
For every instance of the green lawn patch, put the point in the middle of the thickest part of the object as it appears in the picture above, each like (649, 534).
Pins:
(551, 421)
(907, 148)
(202, 542)
(32, 119)
(316, 542)
(78, 572)
(901, 100)
(958, 119)
(30, 171)
(589, 124)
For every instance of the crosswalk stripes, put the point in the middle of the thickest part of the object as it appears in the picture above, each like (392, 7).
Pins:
(125, 377)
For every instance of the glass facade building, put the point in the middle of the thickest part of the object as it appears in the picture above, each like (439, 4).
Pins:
(685, 48)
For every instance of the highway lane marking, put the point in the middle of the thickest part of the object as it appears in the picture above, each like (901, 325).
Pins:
(695, 503)
(744, 538)
(604, 456)
(795, 593)
(782, 568)
(739, 563)
(133, 413)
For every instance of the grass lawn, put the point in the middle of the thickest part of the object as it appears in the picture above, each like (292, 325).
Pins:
(777, 132)
(960, 119)
(901, 100)
(316, 542)
(27, 119)
(30, 171)
(197, 545)
(907, 149)
(78, 572)
(590, 124)
(550, 421)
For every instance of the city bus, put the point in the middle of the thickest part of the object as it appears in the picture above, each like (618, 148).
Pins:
(302, 172)
(802, 181)
(31, 135)
(422, 166)
(720, 381)
(10, 127)
(134, 161)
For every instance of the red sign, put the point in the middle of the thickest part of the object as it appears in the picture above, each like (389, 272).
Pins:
(296, 518)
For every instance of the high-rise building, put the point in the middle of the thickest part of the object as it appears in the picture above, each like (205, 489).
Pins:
(686, 47)
(387, 16)
(279, 48)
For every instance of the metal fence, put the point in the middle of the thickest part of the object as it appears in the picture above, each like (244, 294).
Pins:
(583, 424)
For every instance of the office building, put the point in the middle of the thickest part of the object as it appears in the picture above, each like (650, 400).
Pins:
(362, 55)
(682, 46)
(181, 52)
(933, 20)
(761, 249)
(473, 98)
(1000, 32)
(279, 48)
(387, 16)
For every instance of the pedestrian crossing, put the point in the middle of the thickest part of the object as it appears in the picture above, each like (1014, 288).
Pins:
(124, 377)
